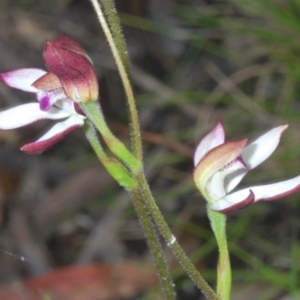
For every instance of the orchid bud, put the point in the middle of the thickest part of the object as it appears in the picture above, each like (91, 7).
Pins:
(70, 63)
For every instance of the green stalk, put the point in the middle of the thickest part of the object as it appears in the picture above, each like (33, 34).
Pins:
(151, 236)
(155, 247)
(116, 31)
(137, 147)
(171, 240)
(94, 113)
(218, 224)
(145, 193)
(121, 65)
(112, 165)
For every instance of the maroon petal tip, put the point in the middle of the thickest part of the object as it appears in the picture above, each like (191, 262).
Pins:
(246, 202)
(39, 147)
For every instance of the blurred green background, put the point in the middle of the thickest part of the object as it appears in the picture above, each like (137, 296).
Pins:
(192, 62)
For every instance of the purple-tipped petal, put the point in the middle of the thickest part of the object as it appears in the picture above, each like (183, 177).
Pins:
(269, 192)
(22, 79)
(235, 201)
(28, 113)
(276, 190)
(255, 153)
(213, 139)
(54, 135)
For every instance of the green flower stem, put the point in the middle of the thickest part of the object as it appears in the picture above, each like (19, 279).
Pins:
(94, 113)
(116, 31)
(152, 238)
(123, 66)
(155, 247)
(112, 165)
(171, 240)
(122, 62)
(218, 224)
(117, 43)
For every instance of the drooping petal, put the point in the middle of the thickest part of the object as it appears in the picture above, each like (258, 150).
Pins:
(277, 190)
(216, 184)
(234, 201)
(54, 135)
(28, 113)
(213, 161)
(269, 192)
(213, 139)
(255, 153)
(22, 79)
(69, 62)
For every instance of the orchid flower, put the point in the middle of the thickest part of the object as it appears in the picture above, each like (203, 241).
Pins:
(71, 78)
(220, 166)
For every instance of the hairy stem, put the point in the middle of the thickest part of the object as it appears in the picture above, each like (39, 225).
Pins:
(94, 113)
(218, 224)
(117, 44)
(116, 31)
(151, 236)
(155, 247)
(121, 62)
(111, 164)
(171, 240)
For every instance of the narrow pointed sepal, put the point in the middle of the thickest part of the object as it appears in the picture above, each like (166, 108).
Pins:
(54, 135)
(22, 79)
(277, 190)
(213, 139)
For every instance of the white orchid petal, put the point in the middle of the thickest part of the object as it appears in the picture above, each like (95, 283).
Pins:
(254, 154)
(263, 147)
(75, 120)
(66, 104)
(242, 198)
(234, 201)
(276, 190)
(22, 79)
(28, 113)
(213, 139)
(217, 185)
(54, 135)
(233, 179)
